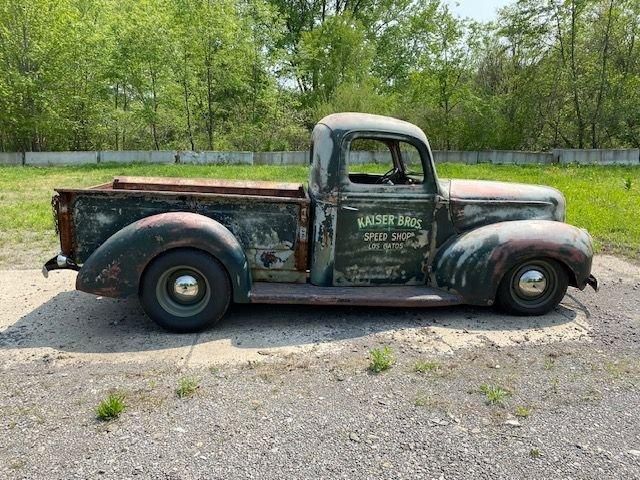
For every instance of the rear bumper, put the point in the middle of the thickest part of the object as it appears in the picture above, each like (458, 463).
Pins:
(59, 262)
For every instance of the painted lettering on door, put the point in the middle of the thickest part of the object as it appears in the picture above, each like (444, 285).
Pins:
(390, 232)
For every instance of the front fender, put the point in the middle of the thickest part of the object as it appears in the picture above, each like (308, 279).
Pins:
(115, 268)
(474, 263)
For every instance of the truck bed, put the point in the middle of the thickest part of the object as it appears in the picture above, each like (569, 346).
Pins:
(269, 219)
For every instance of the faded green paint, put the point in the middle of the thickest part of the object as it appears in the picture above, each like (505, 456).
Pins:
(116, 267)
(473, 263)
(455, 237)
(267, 231)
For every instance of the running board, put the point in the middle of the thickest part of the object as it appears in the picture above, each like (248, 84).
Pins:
(306, 294)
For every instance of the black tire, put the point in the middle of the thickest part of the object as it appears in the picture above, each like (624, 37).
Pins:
(185, 290)
(518, 296)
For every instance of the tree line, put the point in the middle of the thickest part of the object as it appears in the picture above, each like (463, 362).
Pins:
(257, 74)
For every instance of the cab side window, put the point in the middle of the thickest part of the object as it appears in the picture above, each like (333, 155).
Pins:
(384, 162)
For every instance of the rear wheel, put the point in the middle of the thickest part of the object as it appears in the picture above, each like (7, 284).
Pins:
(533, 287)
(185, 290)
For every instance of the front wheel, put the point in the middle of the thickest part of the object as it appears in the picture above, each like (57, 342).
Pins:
(185, 290)
(533, 287)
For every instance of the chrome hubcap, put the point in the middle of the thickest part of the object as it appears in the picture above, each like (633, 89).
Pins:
(183, 291)
(186, 288)
(532, 283)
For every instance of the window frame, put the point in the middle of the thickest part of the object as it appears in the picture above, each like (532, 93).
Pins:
(429, 182)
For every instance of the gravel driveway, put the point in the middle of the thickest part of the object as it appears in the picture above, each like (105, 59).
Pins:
(284, 392)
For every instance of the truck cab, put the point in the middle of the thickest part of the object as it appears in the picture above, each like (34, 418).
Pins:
(396, 235)
(373, 228)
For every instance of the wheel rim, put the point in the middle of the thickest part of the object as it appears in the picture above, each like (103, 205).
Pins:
(533, 283)
(183, 291)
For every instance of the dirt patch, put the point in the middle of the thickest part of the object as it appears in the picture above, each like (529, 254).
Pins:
(47, 317)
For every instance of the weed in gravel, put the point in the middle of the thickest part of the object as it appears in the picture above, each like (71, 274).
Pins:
(251, 364)
(17, 463)
(111, 407)
(591, 395)
(214, 370)
(421, 400)
(549, 364)
(616, 369)
(522, 411)
(267, 377)
(381, 359)
(187, 387)
(495, 395)
(535, 453)
(425, 367)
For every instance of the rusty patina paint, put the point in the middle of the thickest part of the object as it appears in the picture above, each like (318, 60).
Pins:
(264, 225)
(376, 296)
(475, 203)
(473, 263)
(116, 267)
(455, 239)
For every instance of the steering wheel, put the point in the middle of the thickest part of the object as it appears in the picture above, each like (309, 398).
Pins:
(387, 178)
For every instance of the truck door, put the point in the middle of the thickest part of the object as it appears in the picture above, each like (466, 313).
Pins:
(385, 211)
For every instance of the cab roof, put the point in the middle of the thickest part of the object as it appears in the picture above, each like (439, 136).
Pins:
(342, 123)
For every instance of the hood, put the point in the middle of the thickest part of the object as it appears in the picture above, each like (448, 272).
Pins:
(476, 202)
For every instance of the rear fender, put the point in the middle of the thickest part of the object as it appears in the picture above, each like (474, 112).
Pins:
(115, 269)
(474, 263)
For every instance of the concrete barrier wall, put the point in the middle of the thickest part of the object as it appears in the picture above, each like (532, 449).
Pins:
(512, 157)
(11, 158)
(43, 159)
(138, 156)
(281, 158)
(598, 157)
(216, 158)
(454, 156)
(498, 157)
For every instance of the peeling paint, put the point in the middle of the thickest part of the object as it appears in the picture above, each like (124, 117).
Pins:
(459, 236)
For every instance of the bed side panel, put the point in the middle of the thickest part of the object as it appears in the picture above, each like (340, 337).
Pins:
(269, 231)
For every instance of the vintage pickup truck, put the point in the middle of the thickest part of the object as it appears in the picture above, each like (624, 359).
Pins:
(401, 238)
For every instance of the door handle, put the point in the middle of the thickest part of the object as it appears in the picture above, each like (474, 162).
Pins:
(351, 209)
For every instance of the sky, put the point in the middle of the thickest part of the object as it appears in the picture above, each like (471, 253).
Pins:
(480, 10)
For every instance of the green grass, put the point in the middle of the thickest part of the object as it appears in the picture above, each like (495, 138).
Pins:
(495, 395)
(187, 387)
(425, 367)
(111, 407)
(381, 359)
(522, 411)
(604, 200)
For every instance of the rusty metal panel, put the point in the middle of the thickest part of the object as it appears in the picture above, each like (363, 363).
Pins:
(384, 240)
(270, 229)
(474, 263)
(116, 267)
(62, 210)
(395, 296)
(207, 185)
(323, 190)
(475, 203)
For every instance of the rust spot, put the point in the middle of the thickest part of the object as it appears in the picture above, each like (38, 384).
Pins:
(110, 273)
(268, 259)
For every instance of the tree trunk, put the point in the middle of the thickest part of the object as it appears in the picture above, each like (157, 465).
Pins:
(603, 78)
(574, 75)
(154, 127)
(187, 110)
